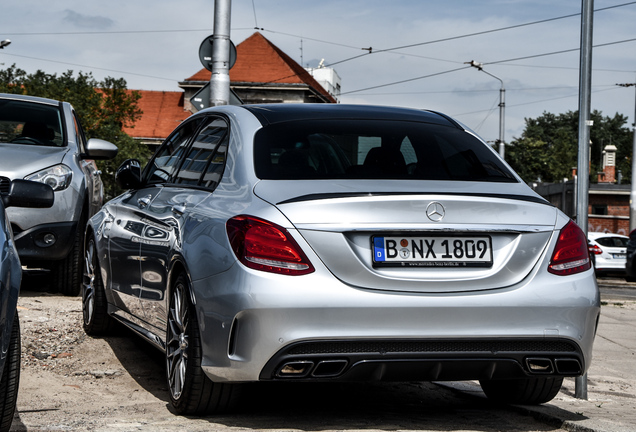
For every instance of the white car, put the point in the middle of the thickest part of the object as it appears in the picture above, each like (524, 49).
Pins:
(609, 251)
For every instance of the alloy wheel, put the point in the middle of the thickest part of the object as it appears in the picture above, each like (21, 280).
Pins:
(177, 341)
(88, 283)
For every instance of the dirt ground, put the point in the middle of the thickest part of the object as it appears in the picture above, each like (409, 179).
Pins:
(70, 381)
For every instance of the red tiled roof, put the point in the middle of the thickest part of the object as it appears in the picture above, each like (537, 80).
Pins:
(162, 113)
(260, 61)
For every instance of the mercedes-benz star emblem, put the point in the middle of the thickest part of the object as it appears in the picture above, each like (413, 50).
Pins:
(435, 211)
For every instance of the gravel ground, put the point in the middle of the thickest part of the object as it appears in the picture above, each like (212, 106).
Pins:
(71, 381)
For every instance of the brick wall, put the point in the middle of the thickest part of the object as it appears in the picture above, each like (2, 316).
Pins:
(608, 224)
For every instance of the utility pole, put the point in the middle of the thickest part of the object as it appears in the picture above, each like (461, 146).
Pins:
(220, 79)
(583, 171)
(632, 195)
(502, 105)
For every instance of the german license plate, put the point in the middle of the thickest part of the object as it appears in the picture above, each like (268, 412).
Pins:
(432, 251)
(618, 256)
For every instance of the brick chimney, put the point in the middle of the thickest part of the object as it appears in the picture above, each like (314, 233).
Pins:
(608, 175)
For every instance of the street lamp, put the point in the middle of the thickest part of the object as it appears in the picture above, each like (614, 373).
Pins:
(502, 104)
(632, 197)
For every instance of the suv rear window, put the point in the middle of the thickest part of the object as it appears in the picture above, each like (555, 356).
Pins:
(30, 123)
(612, 241)
(364, 149)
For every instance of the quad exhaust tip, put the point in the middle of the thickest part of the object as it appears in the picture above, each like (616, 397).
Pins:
(303, 368)
(559, 366)
(540, 365)
(295, 369)
(568, 366)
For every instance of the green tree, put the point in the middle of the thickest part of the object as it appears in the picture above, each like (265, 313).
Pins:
(548, 147)
(103, 107)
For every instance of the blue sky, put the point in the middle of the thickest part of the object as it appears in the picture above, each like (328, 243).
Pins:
(154, 44)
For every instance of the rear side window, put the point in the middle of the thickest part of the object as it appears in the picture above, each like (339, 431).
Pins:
(362, 149)
(205, 160)
(612, 241)
(194, 154)
(167, 159)
(30, 123)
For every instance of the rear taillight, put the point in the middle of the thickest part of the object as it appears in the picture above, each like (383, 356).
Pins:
(265, 246)
(594, 249)
(571, 253)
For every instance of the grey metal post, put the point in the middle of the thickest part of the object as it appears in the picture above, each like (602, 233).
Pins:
(632, 196)
(585, 90)
(220, 79)
(502, 107)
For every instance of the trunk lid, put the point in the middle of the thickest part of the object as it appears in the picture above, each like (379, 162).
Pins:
(340, 220)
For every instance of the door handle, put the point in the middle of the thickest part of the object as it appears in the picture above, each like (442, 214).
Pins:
(179, 209)
(143, 202)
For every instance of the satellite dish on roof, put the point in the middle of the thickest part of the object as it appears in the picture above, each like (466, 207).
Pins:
(205, 53)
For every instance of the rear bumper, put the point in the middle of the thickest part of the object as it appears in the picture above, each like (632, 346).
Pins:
(610, 265)
(425, 360)
(253, 325)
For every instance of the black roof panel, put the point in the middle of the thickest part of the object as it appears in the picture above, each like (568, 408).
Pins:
(278, 113)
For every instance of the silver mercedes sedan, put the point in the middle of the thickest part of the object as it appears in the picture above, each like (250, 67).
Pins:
(339, 243)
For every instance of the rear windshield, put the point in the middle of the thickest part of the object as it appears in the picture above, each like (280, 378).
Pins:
(30, 123)
(363, 149)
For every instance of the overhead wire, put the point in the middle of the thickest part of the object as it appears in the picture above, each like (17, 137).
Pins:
(485, 63)
(558, 52)
(508, 89)
(89, 67)
(476, 33)
(406, 80)
(488, 114)
(255, 20)
(534, 102)
(370, 50)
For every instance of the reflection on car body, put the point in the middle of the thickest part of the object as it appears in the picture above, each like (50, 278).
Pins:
(339, 243)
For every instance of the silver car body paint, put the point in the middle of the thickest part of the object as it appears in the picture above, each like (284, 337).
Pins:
(247, 316)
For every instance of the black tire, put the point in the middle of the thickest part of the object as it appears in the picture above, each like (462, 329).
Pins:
(531, 391)
(94, 304)
(67, 273)
(10, 381)
(191, 391)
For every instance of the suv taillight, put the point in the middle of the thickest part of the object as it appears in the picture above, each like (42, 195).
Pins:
(265, 246)
(571, 254)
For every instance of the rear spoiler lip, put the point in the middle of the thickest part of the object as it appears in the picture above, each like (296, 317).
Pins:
(335, 195)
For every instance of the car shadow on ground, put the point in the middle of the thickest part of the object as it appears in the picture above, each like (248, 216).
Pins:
(143, 362)
(321, 406)
(375, 405)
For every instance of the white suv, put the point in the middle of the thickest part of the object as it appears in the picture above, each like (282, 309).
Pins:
(42, 140)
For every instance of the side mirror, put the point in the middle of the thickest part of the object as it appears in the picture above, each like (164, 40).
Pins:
(99, 149)
(128, 175)
(25, 193)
